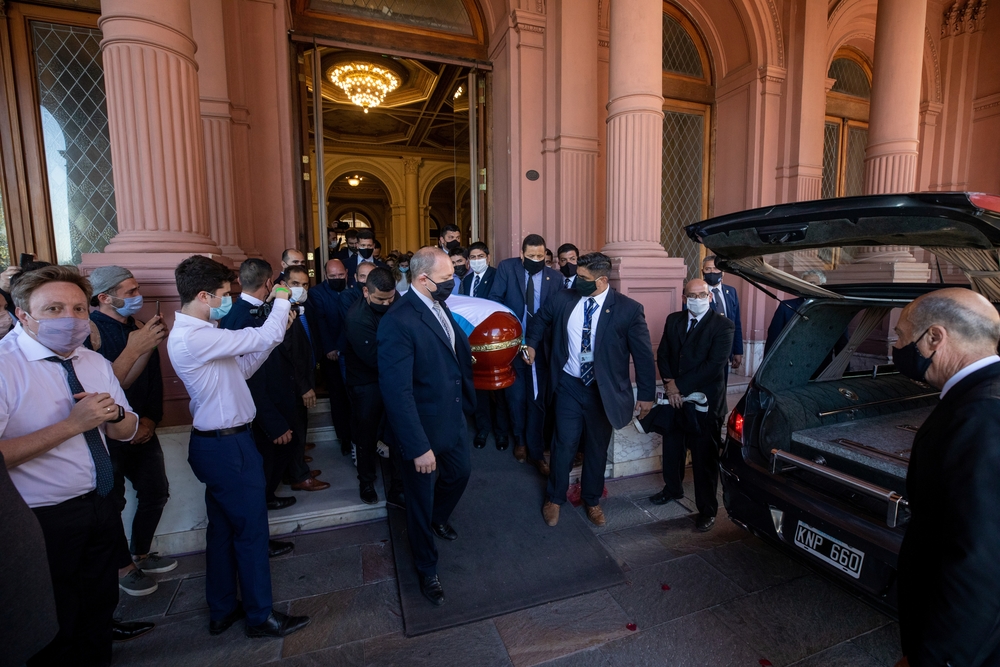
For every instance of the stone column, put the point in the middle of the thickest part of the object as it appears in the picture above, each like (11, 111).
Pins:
(893, 130)
(411, 196)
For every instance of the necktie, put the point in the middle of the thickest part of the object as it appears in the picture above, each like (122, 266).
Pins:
(475, 285)
(305, 327)
(102, 462)
(529, 295)
(587, 368)
(443, 319)
(692, 323)
(717, 304)
(567, 283)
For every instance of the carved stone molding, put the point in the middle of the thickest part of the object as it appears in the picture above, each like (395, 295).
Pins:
(937, 64)
(603, 43)
(411, 165)
(964, 16)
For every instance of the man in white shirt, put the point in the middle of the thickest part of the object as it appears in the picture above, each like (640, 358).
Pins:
(568, 255)
(214, 365)
(58, 404)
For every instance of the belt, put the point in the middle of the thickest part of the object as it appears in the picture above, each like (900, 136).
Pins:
(219, 433)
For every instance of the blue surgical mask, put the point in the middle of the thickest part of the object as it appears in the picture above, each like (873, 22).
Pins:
(223, 310)
(133, 304)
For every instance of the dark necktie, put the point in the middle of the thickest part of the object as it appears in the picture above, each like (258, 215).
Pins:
(529, 295)
(305, 327)
(717, 302)
(692, 323)
(102, 462)
(475, 285)
(567, 284)
(587, 368)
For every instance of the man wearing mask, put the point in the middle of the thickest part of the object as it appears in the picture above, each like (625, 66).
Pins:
(595, 331)
(550, 260)
(425, 374)
(59, 403)
(131, 349)
(365, 255)
(524, 284)
(460, 263)
(299, 342)
(323, 311)
(361, 354)
(726, 302)
(350, 249)
(214, 365)
(355, 292)
(567, 256)
(450, 238)
(692, 359)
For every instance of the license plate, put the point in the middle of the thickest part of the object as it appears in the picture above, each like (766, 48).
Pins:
(829, 549)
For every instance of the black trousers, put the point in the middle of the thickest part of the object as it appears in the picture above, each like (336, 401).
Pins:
(340, 403)
(298, 469)
(368, 411)
(276, 459)
(82, 542)
(143, 466)
(579, 413)
(527, 413)
(704, 448)
(432, 497)
(491, 412)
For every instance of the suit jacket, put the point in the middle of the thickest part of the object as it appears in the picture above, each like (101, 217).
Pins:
(361, 353)
(508, 288)
(352, 267)
(426, 386)
(273, 386)
(733, 313)
(621, 333)
(949, 570)
(697, 361)
(325, 321)
(300, 353)
(485, 283)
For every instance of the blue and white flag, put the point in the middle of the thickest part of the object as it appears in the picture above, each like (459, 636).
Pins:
(470, 311)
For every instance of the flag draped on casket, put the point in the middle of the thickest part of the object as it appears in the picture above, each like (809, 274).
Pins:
(494, 336)
(470, 311)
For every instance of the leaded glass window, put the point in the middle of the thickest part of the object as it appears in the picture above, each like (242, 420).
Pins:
(680, 54)
(444, 15)
(854, 163)
(682, 191)
(74, 119)
(844, 144)
(851, 78)
(831, 156)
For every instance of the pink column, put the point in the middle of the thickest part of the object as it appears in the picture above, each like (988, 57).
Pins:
(893, 130)
(634, 162)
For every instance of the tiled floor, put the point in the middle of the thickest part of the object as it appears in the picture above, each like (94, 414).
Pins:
(721, 598)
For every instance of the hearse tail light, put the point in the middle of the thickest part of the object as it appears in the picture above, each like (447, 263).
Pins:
(735, 426)
(985, 201)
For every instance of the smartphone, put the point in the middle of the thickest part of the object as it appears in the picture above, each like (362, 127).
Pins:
(26, 257)
(524, 353)
(157, 308)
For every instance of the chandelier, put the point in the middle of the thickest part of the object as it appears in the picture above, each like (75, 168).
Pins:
(366, 84)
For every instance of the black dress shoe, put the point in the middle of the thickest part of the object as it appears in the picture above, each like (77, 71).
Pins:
(396, 498)
(432, 590)
(502, 443)
(368, 495)
(280, 503)
(704, 523)
(124, 631)
(276, 548)
(277, 625)
(444, 531)
(218, 627)
(480, 440)
(662, 498)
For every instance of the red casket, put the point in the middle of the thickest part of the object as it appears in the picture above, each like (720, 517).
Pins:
(495, 342)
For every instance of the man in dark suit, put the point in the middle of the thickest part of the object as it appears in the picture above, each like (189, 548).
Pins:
(727, 302)
(692, 359)
(299, 345)
(491, 408)
(425, 374)
(594, 331)
(568, 255)
(365, 255)
(524, 284)
(350, 249)
(949, 575)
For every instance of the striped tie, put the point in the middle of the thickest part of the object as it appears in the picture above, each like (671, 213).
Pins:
(587, 368)
(475, 285)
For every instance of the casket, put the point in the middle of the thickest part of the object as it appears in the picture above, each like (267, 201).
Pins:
(495, 342)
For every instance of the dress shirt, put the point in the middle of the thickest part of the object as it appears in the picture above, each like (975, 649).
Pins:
(696, 320)
(968, 370)
(477, 279)
(720, 294)
(574, 329)
(537, 278)
(214, 365)
(35, 393)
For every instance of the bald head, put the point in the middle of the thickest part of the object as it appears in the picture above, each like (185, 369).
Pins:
(696, 288)
(429, 267)
(335, 269)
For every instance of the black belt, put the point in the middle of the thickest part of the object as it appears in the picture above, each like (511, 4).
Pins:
(218, 433)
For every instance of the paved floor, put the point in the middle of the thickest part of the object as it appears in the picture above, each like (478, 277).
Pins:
(721, 598)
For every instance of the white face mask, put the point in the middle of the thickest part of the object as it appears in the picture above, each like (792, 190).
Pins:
(479, 265)
(698, 307)
(299, 294)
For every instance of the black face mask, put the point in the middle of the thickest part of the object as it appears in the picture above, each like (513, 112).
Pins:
(533, 266)
(442, 290)
(584, 287)
(461, 270)
(451, 245)
(366, 253)
(910, 362)
(379, 308)
(337, 284)
(568, 269)
(713, 278)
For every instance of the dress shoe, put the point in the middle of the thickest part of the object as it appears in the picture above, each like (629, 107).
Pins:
(396, 498)
(310, 446)
(444, 531)
(122, 632)
(704, 523)
(432, 590)
(520, 453)
(280, 503)
(276, 548)
(307, 459)
(550, 512)
(368, 494)
(596, 515)
(315, 473)
(578, 459)
(480, 440)
(542, 466)
(662, 498)
(218, 627)
(501, 441)
(310, 484)
(277, 625)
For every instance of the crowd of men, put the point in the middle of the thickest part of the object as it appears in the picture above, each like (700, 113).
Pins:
(81, 394)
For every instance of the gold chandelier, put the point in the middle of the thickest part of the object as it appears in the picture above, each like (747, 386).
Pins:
(365, 83)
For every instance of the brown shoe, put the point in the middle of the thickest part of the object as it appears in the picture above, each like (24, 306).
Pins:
(550, 512)
(595, 514)
(315, 473)
(310, 445)
(311, 484)
(307, 459)
(520, 453)
(542, 466)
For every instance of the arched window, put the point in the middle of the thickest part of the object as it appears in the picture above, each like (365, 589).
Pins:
(688, 95)
(845, 134)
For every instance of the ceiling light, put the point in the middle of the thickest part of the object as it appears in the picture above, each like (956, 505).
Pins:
(353, 181)
(458, 93)
(365, 83)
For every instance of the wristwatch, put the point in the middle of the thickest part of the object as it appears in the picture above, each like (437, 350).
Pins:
(121, 415)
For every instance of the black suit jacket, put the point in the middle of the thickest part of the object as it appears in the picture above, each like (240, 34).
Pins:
(325, 320)
(361, 352)
(949, 563)
(697, 361)
(621, 333)
(485, 283)
(733, 313)
(426, 386)
(352, 268)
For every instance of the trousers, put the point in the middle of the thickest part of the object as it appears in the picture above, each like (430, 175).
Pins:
(491, 412)
(143, 466)
(579, 413)
(368, 412)
(704, 448)
(527, 412)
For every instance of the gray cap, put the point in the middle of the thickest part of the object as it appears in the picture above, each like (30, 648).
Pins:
(105, 278)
